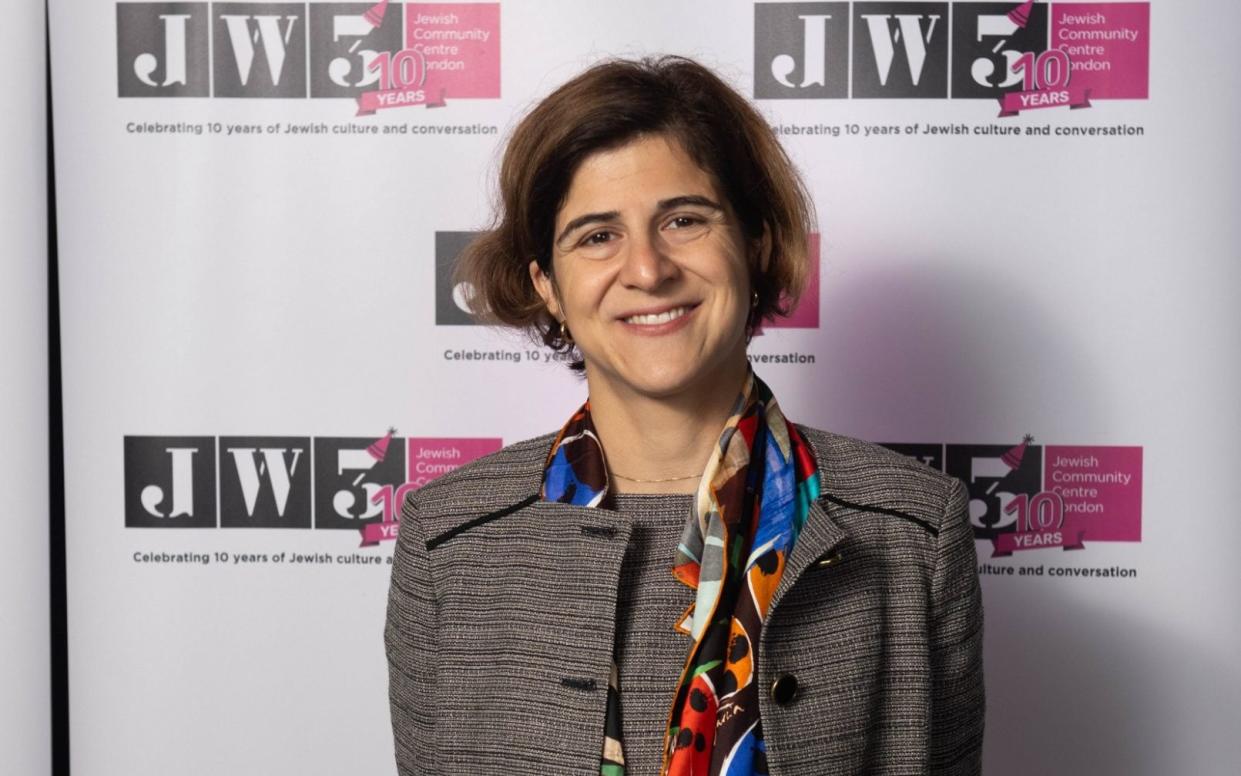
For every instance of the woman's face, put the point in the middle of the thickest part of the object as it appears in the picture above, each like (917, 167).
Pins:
(644, 232)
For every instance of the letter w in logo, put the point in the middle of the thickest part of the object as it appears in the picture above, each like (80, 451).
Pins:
(913, 32)
(243, 32)
(265, 482)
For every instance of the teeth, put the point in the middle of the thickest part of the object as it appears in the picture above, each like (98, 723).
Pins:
(663, 317)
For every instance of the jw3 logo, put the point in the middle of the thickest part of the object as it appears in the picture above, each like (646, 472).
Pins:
(317, 50)
(284, 481)
(1027, 496)
(958, 50)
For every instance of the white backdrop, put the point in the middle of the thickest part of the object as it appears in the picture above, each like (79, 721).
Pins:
(25, 715)
(245, 312)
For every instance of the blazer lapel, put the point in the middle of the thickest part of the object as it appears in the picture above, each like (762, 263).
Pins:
(819, 537)
(593, 543)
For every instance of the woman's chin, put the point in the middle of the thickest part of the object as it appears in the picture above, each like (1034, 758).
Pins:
(664, 380)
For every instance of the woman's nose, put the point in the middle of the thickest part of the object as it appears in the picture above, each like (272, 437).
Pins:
(647, 264)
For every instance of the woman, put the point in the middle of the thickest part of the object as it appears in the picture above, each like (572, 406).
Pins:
(679, 580)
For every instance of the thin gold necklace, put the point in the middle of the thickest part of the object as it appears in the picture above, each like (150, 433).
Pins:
(665, 479)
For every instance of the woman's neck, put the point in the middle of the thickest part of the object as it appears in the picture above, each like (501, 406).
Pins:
(649, 438)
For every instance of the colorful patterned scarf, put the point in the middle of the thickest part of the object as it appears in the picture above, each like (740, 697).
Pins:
(752, 501)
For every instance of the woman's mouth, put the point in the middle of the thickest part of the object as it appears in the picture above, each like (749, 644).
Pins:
(661, 322)
(663, 317)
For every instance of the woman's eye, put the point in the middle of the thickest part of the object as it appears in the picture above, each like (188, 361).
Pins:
(592, 239)
(682, 222)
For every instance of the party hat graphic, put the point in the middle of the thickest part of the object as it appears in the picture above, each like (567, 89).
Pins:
(1012, 458)
(1020, 15)
(379, 448)
(375, 14)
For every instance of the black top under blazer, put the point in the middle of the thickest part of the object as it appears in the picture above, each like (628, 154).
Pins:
(501, 613)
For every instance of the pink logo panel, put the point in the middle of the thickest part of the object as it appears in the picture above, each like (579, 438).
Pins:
(1101, 488)
(430, 457)
(461, 43)
(1109, 46)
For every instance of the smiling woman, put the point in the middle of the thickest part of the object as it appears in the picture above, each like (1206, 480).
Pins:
(680, 580)
(655, 288)
(732, 176)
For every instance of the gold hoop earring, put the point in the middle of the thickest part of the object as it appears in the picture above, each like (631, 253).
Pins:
(565, 335)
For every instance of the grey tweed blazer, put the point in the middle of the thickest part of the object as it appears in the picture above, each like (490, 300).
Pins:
(501, 609)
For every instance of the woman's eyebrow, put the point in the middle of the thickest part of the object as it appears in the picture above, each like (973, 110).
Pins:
(688, 199)
(662, 205)
(589, 218)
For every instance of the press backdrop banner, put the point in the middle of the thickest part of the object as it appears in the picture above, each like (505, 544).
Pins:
(1025, 276)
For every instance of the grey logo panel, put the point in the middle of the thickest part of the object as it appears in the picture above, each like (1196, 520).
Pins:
(259, 49)
(451, 301)
(169, 482)
(801, 50)
(900, 50)
(265, 482)
(343, 45)
(986, 44)
(348, 477)
(990, 478)
(162, 50)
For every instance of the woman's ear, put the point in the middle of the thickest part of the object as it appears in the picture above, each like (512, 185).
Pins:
(546, 289)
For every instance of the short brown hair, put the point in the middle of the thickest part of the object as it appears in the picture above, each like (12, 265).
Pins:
(603, 108)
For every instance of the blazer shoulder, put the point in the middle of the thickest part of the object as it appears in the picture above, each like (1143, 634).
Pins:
(489, 482)
(861, 474)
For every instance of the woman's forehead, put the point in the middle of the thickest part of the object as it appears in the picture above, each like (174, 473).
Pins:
(648, 168)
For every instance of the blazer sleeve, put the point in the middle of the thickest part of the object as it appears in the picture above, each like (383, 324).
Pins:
(410, 636)
(957, 695)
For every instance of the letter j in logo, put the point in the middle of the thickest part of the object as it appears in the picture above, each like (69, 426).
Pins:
(801, 50)
(170, 482)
